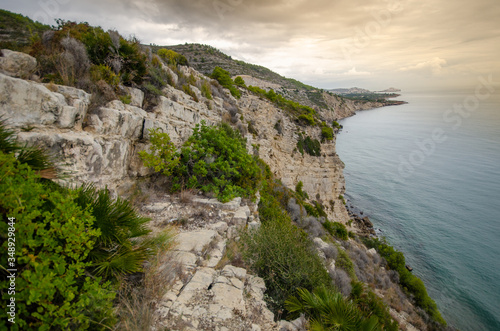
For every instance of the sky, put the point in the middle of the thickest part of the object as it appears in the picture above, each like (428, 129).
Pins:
(415, 45)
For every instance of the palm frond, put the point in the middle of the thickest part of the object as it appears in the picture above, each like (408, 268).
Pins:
(8, 142)
(36, 157)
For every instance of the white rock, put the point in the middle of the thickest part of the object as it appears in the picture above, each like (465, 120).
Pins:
(137, 96)
(195, 241)
(241, 216)
(200, 282)
(27, 103)
(228, 296)
(232, 271)
(220, 227)
(17, 64)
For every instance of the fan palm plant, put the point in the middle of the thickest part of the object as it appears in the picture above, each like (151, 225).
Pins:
(328, 310)
(36, 157)
(118, 250)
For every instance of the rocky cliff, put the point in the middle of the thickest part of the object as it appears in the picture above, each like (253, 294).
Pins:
(102, 145)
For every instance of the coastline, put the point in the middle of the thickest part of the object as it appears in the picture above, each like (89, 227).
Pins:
(364, 228)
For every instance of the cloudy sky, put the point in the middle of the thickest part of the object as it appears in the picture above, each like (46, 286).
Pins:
(415, 45)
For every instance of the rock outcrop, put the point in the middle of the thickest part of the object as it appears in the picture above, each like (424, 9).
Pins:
(209, 293)
(101, 145)
(16, 64)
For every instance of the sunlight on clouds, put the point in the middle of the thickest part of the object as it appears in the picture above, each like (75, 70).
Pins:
(434, 66)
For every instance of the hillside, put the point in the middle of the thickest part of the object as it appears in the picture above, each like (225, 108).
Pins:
(142, 149)
(205, 58)
(17, 31)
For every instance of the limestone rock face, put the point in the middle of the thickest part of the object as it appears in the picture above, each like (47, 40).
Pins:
(321, 175)
(16, 64)
(136, 96)
(100, 146)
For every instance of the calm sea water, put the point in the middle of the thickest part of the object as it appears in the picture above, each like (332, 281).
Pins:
(430, 180)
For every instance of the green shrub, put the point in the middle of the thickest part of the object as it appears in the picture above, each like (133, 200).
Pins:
(311, 210)
(239, 82)
(336, 125)
(224, 78)
(410, 282)
(344, 262)
(206, 91)
(105, 73)
(54, 237)
(162, 154)
(299, 111)
(309, 145)
(326, 132)
(370, 304)
(171, 57)
(126, 99)
(133, 62)
(186, 88)
(308, 119)
(282, 255)
(300, 192)
(152, 90)
(336, 229)
(215, 159)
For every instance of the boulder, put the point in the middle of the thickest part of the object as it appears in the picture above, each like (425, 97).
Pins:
(16, 64)
(136, 96)
(367, 222)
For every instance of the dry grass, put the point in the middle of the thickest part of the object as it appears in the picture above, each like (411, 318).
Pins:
(232, 256)
(186, 196)
(137, 303)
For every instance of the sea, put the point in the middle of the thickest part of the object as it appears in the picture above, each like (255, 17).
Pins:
(427, 174)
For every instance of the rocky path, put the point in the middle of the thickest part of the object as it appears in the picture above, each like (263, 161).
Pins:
(209, 294)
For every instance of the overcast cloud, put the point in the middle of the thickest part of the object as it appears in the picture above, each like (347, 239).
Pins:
(414, 45)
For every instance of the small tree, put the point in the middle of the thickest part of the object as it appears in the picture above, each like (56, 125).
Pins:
(239, 81)
(162, 154)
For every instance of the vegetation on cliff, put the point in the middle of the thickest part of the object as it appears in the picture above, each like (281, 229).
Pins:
(73, 247)
(72, 269)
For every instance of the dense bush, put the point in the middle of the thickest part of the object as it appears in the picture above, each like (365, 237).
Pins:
(326, 132)
(66, 53)
(162, 154)
(336, 229)
(336, 125)
(172, 58)
(186, 88)
(215, 159)
(370, 304)
(410, 282)
(206, 91)
(224, 78)
(239, 82)
(54, 237)
(282, 255)
(309, 145)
